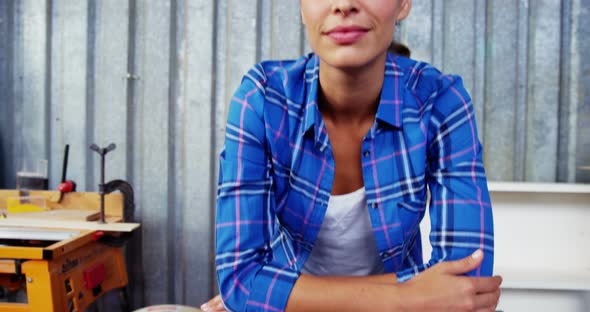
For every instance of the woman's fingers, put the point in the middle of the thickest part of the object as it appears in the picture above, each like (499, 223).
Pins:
(487, 301)
(486, 284)
(218, 304)
(213, 305)
(461, 266)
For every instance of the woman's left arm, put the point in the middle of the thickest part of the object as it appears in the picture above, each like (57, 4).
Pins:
(460, 209)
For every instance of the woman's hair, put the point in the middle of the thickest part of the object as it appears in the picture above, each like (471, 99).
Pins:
(400, 49)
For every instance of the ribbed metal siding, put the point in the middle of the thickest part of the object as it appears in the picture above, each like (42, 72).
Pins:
(155, 77)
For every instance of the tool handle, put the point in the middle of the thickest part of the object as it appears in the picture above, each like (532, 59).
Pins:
(65, 164)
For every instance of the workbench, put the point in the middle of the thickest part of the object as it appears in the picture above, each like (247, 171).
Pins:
(63, 264)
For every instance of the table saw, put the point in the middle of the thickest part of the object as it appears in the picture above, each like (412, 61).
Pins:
(59, 259)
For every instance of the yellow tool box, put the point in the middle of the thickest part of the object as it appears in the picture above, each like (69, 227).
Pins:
(62, 261)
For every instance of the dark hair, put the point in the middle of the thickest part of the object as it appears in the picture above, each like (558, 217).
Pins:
(400, 49)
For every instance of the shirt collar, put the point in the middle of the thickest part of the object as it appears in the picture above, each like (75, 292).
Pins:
(392, 93)
(312, 116)
(390, 104)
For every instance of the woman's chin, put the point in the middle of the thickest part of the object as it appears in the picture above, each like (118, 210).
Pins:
(348, 59)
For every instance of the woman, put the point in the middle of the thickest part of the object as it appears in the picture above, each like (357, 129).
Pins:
(324, 175)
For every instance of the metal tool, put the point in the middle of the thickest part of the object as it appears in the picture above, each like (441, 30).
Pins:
(65, 186)
(101, 187)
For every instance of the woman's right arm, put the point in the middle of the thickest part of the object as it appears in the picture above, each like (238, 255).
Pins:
(249, 275)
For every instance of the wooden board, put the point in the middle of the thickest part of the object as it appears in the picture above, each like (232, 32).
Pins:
(76, 225)
(59, 214)
(77, 201)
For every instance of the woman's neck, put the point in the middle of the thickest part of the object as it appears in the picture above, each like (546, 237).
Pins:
(351, 96)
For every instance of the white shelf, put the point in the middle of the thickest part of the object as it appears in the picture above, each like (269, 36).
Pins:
(566, 281)
(528, 187)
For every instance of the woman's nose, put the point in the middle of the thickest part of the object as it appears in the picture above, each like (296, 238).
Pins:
(344, 7)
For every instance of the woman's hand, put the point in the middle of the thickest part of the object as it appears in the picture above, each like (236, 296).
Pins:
(442, 288)
(213, 305)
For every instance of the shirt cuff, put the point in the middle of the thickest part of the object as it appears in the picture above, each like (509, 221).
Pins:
(271, 289)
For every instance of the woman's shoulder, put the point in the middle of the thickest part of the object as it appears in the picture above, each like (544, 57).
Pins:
(423, 79)
(281, 75)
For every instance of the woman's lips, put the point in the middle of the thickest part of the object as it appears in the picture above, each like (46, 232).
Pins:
(346, 35)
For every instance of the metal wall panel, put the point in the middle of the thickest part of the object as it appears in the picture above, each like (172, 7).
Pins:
(543, 87)
(6, 92)
(30, 109)
(580, 89)
(195, 154)
(500, 136)
(107, 77)
(155, 77)
(153, 149)
(68, 86)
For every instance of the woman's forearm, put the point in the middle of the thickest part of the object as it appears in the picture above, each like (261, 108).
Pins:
(389, 278)
(344, 293)
(441, 287)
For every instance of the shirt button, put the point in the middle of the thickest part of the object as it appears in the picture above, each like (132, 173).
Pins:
(374, 205)
(367, 153)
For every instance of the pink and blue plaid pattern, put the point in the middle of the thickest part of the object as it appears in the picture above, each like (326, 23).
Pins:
(277, 170)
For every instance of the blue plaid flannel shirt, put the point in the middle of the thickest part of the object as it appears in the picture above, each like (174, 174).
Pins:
(277, 169)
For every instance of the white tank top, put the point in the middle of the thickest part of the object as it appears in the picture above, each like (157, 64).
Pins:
(345, 245)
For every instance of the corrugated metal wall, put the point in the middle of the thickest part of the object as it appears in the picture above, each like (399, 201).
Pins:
(155, 77)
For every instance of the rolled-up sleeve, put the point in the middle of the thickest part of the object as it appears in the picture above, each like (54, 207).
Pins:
(251, 276)
(459, 208)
